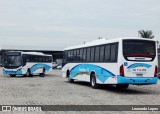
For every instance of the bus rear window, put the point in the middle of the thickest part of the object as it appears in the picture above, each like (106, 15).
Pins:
(139, 50)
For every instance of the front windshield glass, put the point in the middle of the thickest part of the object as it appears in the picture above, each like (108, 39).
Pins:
(12, 60)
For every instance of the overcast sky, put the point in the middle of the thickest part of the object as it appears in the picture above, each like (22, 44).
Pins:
(55, 24)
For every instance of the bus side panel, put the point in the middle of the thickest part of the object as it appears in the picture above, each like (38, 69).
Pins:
(105, 72)
(74, 72)
(37, 67)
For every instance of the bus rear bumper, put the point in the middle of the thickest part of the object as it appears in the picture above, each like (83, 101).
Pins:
(137, 81)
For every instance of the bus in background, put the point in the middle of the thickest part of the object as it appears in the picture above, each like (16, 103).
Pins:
(26, 63)
(120, 62)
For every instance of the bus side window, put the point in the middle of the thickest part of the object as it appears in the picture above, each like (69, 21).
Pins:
(24, 59)
(71, 56)
(68, 56)
(74, 55)
(84, 54)
(102, 53)
(78, 55)
(50, 59)
(114, 49)
(81, 55)
(107, 53)
(88, 55)
(92, 53)
(97, 52)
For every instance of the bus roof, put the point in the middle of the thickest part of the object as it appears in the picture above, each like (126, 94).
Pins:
(104, 41)
(31, 53)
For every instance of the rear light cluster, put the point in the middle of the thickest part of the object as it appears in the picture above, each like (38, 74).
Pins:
(121, 70)
(156, 71)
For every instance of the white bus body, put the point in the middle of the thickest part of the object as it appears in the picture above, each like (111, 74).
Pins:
(121, 61)
(26, 63)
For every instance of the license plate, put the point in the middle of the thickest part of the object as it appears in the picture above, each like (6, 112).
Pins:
(139, 75)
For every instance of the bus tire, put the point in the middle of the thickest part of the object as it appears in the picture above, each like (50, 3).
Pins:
(70, 80)
(93, 82)
(28, 74)
(13, 75)
(43, 73)
(122, 86)
(68, 76)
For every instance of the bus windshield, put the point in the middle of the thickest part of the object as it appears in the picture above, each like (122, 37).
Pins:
(139, 50)
(12, 60)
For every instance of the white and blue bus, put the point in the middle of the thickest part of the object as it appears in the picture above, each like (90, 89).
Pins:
(26, 63)
(121, 62)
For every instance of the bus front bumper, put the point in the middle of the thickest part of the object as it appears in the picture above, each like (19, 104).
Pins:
(137, 81)
(8, 72)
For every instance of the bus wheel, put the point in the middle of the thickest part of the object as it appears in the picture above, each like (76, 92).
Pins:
(122, 86)
(93, 81)
(13, 75)
(28, 74)
(70, 80)
(43, 73)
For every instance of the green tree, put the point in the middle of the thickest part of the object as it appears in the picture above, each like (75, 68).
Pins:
(146, 34)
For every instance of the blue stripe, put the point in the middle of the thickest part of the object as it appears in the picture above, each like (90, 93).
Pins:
(37, 66)
(101, 73)
(137, 81)
(139, 64)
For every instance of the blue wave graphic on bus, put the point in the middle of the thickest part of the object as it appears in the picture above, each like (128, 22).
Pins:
(101, 73)
(37, 66)
(139, 65)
